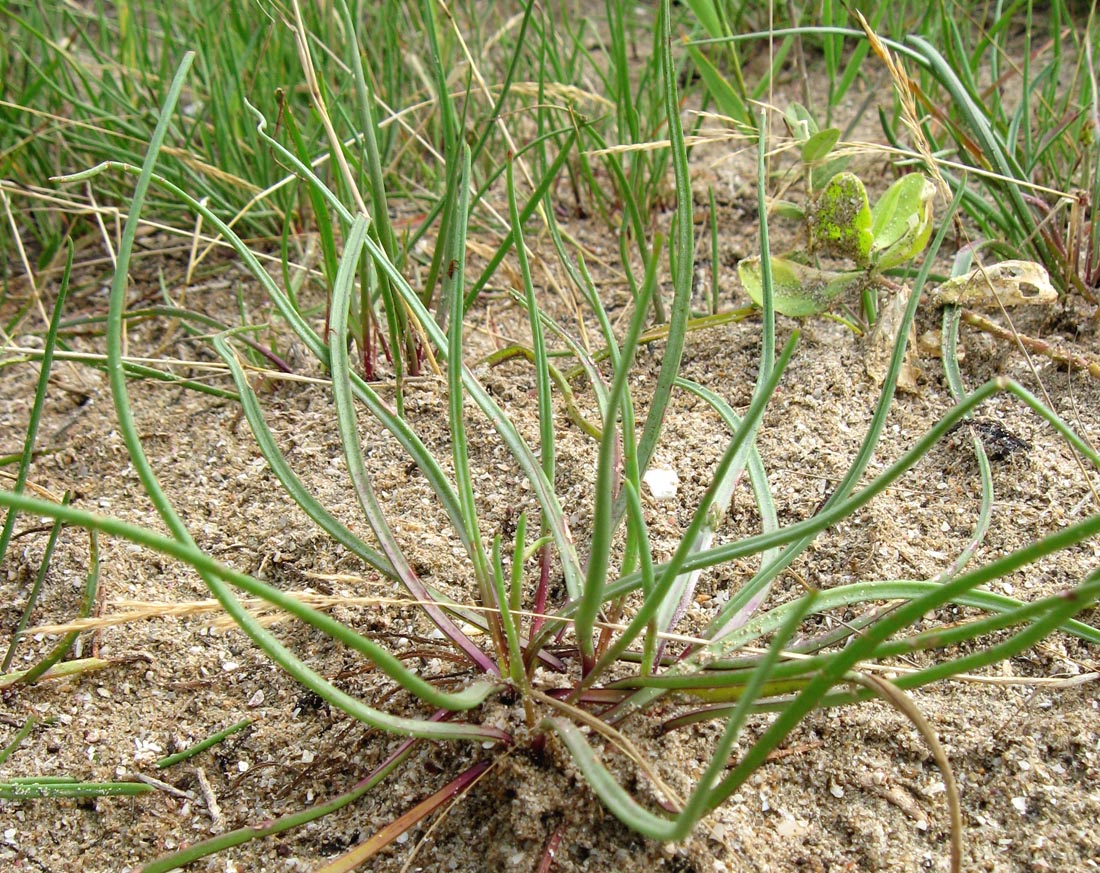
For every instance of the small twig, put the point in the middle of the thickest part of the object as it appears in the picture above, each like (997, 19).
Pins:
(217, 820)
(895, 795)
(160, 785)
(1040, 347)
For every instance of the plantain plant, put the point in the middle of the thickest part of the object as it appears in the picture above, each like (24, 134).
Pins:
(841, 224)
(580, 677)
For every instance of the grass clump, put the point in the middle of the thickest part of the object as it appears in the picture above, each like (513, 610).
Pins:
(589, 664)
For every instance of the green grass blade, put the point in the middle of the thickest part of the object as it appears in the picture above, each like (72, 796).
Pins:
(993, 148)
(20, 735)
(502, 424)
(453, 286)
(208, 567)
(262, 637)
(701, 800)
(603, 522)
(37, 404)
(276, 462)
(829, 516)
(541, 191)
(681, 248)
(538, 340)
(666, 574)
(309, 337)
(221, 842)
(201, 746)
(87, 604)
(33, 787)
(36, 590)
(353, 456)
(741, 605)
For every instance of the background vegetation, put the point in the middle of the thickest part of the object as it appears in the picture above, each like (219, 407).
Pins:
(352, 154)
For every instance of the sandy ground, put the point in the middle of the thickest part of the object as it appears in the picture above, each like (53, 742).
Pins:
(853, 789)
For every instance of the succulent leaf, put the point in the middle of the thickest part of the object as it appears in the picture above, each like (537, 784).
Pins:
(840, 220)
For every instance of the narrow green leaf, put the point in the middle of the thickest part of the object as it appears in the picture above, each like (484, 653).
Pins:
(203, 745)
(46, 786)
(708, 16)
(681, 248)
(725, 96)
(39, 400)
(349, 434)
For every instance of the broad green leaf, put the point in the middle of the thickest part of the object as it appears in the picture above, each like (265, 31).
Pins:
(901, 222)
(820, 144)
(840, 220)
(798, 290)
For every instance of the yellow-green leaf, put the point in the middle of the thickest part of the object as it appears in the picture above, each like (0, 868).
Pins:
(798, 290)
(901, 221)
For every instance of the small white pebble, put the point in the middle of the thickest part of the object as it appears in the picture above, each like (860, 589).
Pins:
(1020, 805)
(789, 828)
(663, 484)
(256, 699)
(229, 666)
